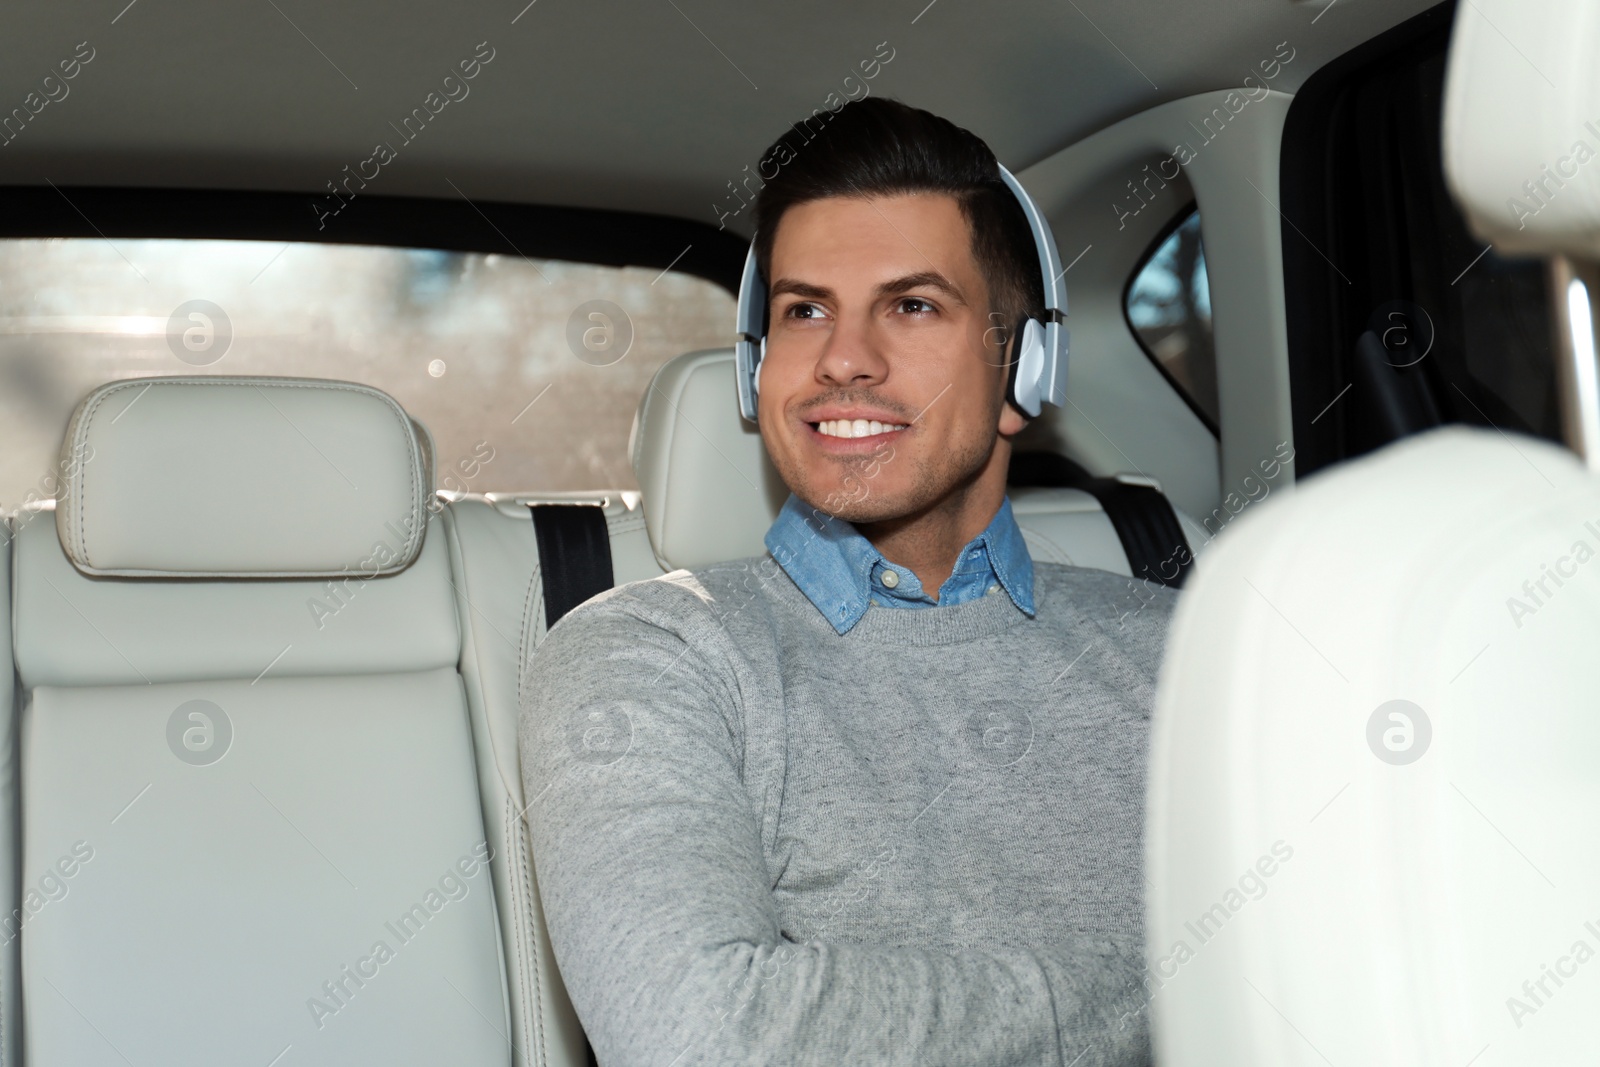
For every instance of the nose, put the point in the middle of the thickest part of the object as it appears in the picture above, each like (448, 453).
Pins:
(852, 356)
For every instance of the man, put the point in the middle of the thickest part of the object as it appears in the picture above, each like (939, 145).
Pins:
(879, 794)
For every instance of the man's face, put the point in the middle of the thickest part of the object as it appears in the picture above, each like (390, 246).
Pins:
(880, 313)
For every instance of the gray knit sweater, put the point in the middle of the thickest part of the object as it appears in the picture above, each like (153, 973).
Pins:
(759, 841)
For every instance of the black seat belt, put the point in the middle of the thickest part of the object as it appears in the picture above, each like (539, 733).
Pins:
(574, 555)
(1144, 520)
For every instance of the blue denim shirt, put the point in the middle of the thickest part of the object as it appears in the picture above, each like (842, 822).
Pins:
(843, 574)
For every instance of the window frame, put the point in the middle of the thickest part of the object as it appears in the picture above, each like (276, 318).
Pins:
(1171, 226)
(1324, 311)
(531, 231)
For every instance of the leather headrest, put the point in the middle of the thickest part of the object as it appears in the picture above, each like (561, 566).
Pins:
(217, 477)
(1522, 124)
(710, 492)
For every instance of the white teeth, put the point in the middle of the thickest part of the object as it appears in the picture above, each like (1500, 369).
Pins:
(856, 427)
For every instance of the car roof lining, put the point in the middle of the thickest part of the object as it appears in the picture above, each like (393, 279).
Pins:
(654, 108)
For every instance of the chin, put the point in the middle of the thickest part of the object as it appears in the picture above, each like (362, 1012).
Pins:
(859, 499)
(864, 511)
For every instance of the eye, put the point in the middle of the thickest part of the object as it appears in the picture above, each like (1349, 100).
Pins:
(803, 310)
(915, 305)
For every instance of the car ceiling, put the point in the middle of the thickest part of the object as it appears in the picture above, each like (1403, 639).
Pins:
(645, 105)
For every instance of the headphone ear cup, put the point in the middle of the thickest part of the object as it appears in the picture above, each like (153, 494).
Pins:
(1014, 361)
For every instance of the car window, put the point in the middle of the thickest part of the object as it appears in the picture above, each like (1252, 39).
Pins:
(1168, 304)
(526, 371)
(1374, 244)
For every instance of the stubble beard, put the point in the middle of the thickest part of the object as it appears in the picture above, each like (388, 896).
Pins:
(859, 497)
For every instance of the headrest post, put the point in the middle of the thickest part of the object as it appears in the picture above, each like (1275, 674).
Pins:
(1574, 291)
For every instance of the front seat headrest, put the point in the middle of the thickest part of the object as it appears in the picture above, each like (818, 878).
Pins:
(212, 477)
(710, 492)
(1522, 125)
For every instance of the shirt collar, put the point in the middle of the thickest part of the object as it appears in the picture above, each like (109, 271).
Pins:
(1009, 556)
(832, 563)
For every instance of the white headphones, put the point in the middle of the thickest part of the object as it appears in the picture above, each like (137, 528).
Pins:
(1037, 350)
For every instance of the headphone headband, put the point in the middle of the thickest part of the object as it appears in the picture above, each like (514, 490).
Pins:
(751, 344)
(1038, 351)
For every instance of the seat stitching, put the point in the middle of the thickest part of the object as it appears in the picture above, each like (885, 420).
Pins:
(518, 931)
(525, 889)
(88, 420)
(525, 915)
(644, 426)
(628, 523)
(665, 452)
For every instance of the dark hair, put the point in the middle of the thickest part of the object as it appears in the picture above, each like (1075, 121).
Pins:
(881, 147)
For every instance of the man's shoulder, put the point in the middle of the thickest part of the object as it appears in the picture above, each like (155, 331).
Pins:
(1095, 592)
(684, 597)
(1067, 575)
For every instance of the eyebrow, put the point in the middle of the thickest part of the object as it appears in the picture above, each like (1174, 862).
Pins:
(931, 279)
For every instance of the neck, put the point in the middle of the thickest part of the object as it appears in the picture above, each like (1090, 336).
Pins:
(929, 541)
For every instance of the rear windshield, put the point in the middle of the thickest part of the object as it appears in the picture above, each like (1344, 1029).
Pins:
(526, 371)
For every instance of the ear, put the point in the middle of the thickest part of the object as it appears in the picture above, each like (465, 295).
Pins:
(1012, 421)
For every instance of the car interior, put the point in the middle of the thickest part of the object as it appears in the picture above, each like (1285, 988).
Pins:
(345, 349)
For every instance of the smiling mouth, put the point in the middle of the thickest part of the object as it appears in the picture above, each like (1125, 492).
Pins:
(856, 427)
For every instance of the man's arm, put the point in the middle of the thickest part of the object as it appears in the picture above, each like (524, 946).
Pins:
(659, 900)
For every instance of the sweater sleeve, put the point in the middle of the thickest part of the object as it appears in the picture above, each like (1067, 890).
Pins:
(658, 896)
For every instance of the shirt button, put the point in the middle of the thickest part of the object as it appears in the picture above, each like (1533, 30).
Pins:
(973, 554)
(890, 579)
(993, 589)
(873, 602)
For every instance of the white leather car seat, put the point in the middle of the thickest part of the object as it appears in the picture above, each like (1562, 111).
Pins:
(13, 913)
(1068, 526)
(710, 491)
(1373, 789)
(500, 599)
(1338, 877)
(250, 803)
